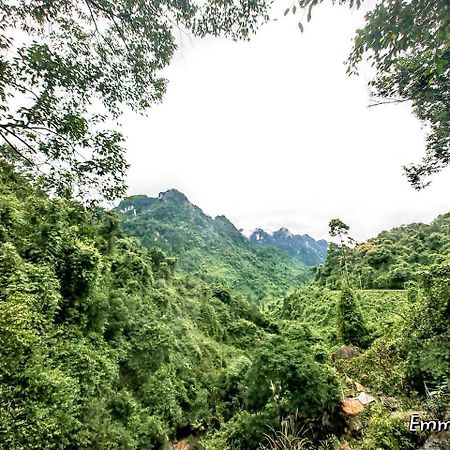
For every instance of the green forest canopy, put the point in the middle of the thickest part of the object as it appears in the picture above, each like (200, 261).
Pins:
(392, 258)
(104, 345)
(64, 56)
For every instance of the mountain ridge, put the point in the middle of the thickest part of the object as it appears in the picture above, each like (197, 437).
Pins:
(303, 247)
(212, 248)
(269, 238)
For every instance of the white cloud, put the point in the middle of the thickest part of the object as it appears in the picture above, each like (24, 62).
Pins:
(273, 133)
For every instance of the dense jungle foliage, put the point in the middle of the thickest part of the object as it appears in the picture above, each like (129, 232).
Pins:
(210, 249)
(109, 343)
(392, 258)
(104, 345)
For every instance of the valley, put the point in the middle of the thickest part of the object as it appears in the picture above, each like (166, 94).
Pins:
(154, 326)
(108, 342)
(215, 251)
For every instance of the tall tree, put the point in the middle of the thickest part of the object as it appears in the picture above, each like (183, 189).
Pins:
(350, 323)
(340, 229)
(68, 68)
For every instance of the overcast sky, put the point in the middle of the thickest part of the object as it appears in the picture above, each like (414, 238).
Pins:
(273, 133)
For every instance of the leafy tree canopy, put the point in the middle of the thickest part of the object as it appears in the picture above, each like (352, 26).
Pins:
(392, 258)
(68, 68)
(338, 228)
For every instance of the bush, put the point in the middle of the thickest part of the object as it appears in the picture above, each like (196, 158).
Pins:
(350, 324)
(426, 341)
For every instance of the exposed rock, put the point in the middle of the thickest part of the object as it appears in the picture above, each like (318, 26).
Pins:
(438, 441)
(352, 406)
(365, 398)
(184, 445)
(347, 447)
(360, 387)
(345, 352)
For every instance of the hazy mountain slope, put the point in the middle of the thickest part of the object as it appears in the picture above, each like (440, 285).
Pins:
(303, 247)
(210, 248)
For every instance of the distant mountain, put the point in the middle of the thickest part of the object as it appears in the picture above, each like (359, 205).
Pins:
(302, 247)
(212, 248)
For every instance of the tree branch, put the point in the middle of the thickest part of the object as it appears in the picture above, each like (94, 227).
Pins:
(17, 151)
(388, 102)
(113, 17)
(18, 138)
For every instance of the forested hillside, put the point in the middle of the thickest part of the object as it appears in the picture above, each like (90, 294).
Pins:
(211, 249)
(104, 345)
(156, 327)
(392, 258)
